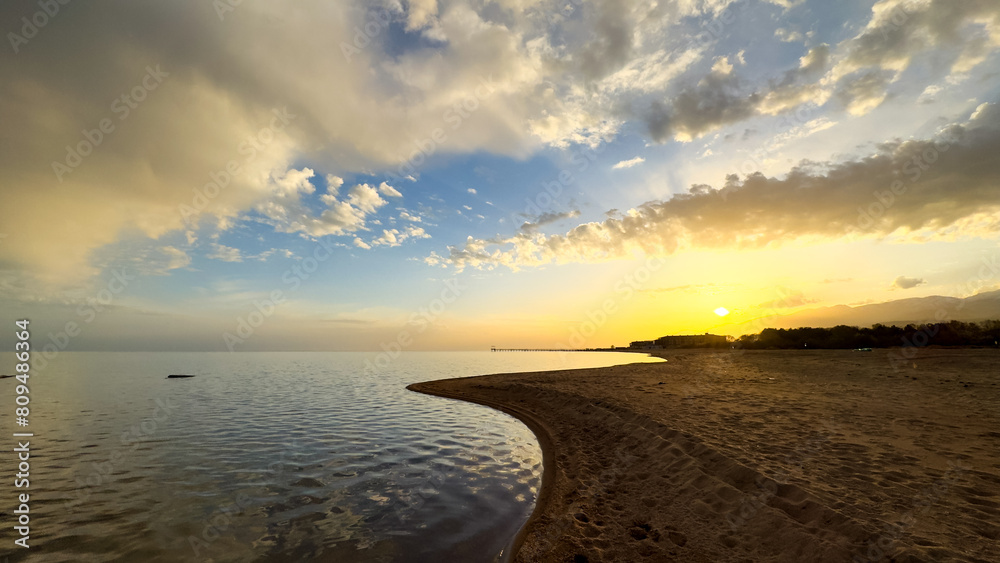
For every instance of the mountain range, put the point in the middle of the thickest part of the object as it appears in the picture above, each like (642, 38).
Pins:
(915, 310)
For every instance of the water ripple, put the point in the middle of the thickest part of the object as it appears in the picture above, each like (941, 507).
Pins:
(276, 457)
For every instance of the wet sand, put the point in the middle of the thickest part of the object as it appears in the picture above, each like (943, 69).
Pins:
(761, 456)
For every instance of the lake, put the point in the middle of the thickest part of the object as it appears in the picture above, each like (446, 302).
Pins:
(275, 457)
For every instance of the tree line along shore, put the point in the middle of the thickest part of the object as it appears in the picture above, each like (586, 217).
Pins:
(954, 333)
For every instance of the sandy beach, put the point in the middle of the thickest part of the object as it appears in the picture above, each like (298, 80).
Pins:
(761, 456)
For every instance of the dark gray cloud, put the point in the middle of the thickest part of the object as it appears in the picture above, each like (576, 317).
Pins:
(904, 282)
(547, 219)
(722, 98)
(610, 43)
(718, 99)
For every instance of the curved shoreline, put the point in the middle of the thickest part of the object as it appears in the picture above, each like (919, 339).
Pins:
(727, 457)
(537, 427)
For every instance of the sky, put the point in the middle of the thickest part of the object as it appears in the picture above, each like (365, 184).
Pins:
(460, 174)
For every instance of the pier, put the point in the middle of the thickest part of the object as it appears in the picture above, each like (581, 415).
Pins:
(495, 349)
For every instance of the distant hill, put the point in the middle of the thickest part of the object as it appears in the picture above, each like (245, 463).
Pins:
(900, 312)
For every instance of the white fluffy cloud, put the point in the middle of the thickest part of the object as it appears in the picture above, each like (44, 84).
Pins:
(333, 183)
(287, 212)
(388, 191)
(394, 237)
(629, 163)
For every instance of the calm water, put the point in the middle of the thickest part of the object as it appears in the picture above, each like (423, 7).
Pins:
(273, 457)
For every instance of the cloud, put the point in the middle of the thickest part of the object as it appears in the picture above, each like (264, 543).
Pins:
(611, 43)
(790, 298)
(417, 232)
(787, 35)
(365, 198)
(787, 4)
(388, 238)
(420, 13)
(954, 196)
(722, 65)
(929, 95)
(151, 261)
(695, 289)
(858, 72)
(629, 163)
(388, 191)
(864, 92)
(722, 98)
(176, 258)
(903, 282)
(718, 99)
(900, 30)
(333, 183)
(286, 211)
(263, 256)
(800, 132)
(209, 108)
(395, 237)
(547, 219)
(471, 191)
(540, 78)
(225, 253)
(799, 85)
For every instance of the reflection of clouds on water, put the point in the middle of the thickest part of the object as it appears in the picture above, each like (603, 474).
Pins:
(290, 456)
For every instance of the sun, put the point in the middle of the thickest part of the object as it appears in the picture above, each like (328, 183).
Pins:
(722, 311)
